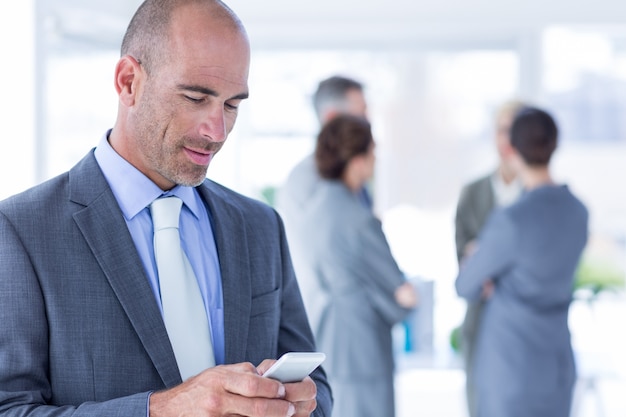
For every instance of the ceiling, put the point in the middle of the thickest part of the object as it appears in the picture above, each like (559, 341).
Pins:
(70, 24)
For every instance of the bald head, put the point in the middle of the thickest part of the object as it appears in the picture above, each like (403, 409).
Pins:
(181, 77)
(147, 33)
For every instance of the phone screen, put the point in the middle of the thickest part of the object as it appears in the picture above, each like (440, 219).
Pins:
(295, 366)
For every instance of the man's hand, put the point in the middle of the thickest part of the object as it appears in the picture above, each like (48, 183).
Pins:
(301, 394)
(232, 390)
(470, 248)
(488, 289)
(406, 296)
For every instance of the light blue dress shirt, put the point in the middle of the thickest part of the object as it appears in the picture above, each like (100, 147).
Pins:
(134, 192)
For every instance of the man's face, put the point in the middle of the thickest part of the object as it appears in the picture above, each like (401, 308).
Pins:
(189, 103)
(503, 135)
(355, 103)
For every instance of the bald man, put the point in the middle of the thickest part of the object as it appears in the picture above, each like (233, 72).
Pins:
(82, 331)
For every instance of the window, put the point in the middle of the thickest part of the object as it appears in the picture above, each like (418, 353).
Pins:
(432, 114)
(585, 81)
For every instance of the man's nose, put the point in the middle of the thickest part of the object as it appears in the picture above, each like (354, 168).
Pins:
(214, 125)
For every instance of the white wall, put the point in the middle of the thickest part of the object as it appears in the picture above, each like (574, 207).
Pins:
(275, 23)
(17, 96)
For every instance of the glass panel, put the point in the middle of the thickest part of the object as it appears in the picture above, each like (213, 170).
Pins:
(585, 81)
(421, 105)
(584, 84)
(81, 105)
(432, 113)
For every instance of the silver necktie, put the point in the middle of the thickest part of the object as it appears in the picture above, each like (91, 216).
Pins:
(183, 308)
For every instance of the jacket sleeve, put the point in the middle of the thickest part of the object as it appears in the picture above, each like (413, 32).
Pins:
(494, 255)
(379, 272)
(25, 387)
(462, 232)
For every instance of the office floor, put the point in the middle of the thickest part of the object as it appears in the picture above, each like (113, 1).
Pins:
(433, 385)
(430, 392)
(440, 393)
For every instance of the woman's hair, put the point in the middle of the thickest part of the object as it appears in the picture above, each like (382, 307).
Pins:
(340, 140)
(534, 135)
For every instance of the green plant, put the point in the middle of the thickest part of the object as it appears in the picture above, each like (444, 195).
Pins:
(597, 275)
(268, 194)
(455, 339)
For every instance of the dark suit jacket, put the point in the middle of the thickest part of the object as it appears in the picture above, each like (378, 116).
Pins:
(476, 202)
(80, 331)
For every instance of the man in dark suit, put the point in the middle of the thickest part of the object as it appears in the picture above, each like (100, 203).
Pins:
(477, 200)
(81, 315)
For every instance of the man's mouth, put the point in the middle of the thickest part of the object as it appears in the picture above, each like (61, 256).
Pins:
(199, 157)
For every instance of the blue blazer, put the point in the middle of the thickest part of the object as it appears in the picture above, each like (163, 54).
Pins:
(524, 364)
(80, 331)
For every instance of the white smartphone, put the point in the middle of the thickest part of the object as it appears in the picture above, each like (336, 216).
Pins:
(295, 366)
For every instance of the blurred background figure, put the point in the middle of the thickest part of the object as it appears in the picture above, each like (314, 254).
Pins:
(524, 265)
(432, 91)
(478, 198)
(353, 290)
(334, 96)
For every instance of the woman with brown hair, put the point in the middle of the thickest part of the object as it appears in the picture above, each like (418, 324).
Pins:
(353, 289)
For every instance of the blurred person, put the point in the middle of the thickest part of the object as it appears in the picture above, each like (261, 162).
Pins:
(83, 328)
(478, 198)
(525, 260)
(334, 96)
(352, 287)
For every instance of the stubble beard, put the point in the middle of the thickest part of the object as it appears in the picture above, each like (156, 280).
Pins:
(176, 168)
(166, 156)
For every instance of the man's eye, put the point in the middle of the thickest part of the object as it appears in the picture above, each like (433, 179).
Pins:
(230, 106)
(194, 99)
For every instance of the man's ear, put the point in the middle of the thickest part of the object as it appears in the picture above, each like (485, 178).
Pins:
(128, 74)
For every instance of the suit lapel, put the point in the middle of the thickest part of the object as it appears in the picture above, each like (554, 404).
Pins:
(105, 231)
(485, 202)
(228, 223)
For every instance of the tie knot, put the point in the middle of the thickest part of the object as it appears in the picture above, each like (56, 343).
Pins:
(165, 212)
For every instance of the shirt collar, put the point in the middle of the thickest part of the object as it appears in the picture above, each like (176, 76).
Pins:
(505, 194)
(131, 188)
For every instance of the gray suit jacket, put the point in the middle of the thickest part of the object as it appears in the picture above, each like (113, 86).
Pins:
(80, 331)
(348, 277)
(524, 361)
(300, 185)
(476, 202)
